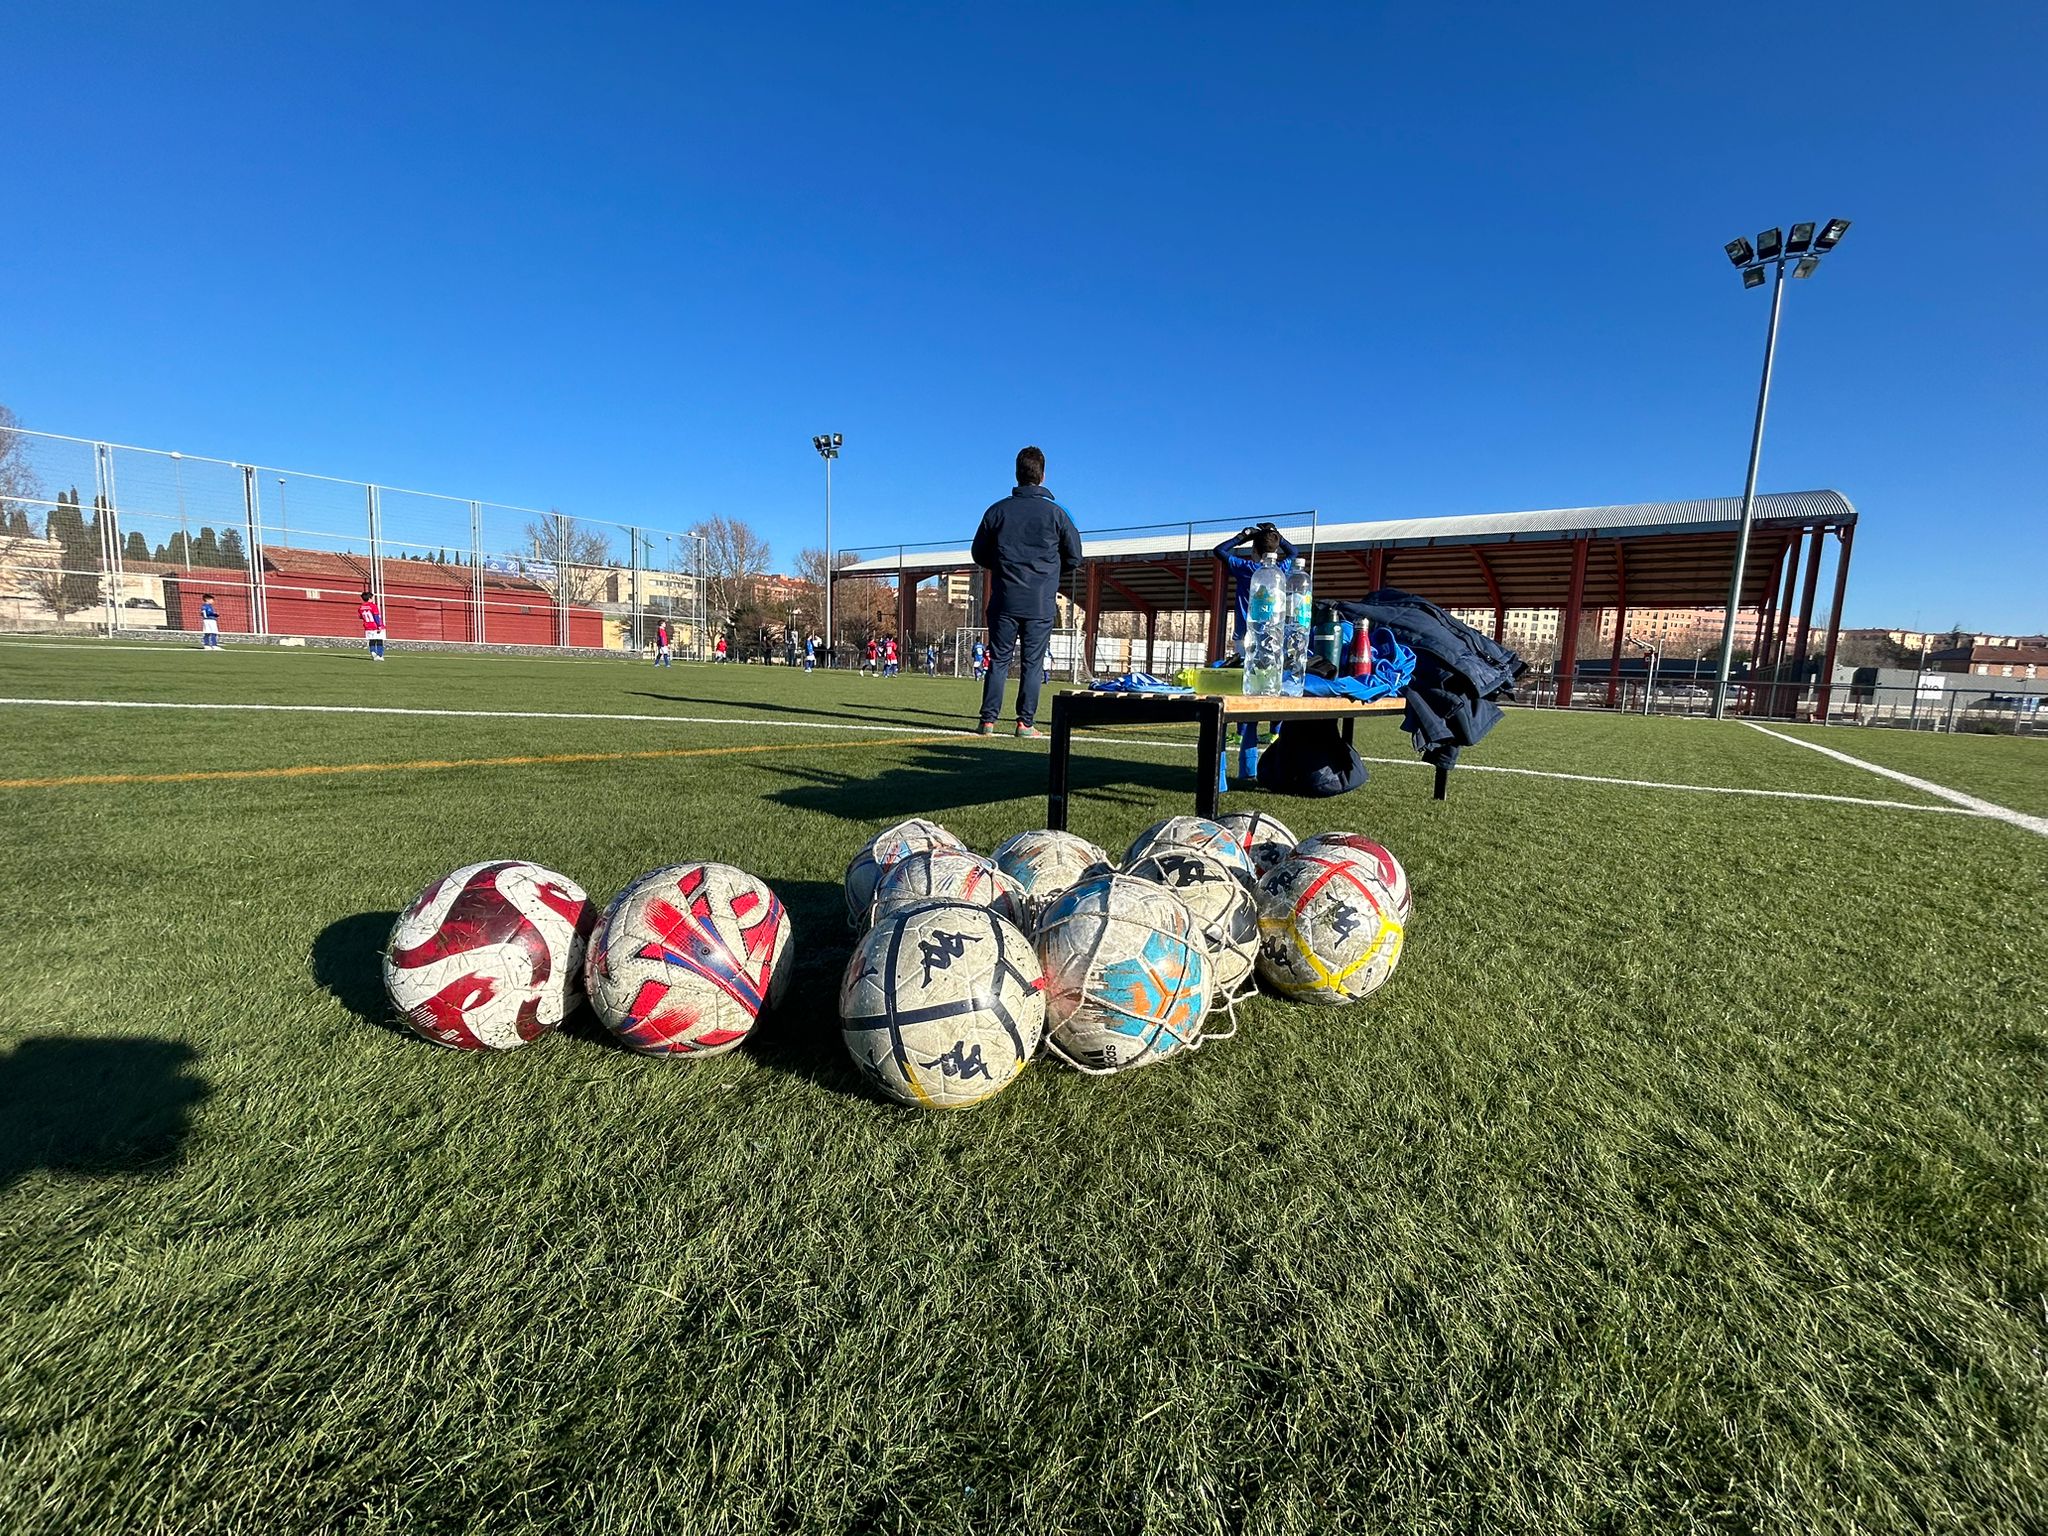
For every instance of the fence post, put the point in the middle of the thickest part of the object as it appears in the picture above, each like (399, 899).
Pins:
(110, 534)
(373, 512)
(259, 617)
(476, 572)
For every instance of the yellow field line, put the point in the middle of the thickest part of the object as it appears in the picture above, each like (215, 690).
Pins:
(431, 764)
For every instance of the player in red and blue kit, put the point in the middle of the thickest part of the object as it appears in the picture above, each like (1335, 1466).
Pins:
(373, 625)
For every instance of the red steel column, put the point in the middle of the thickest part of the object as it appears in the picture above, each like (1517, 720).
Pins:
(1568, 625)
(1500, 611)
(1093, 625)
(1827, 666)
(1785, 599)
(1221, 606)
(1787, 702)
(1376, 562)
(1151, 640)
(1620, 621)
(906, 610)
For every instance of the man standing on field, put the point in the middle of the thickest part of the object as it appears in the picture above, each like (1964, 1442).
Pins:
(1028, 545)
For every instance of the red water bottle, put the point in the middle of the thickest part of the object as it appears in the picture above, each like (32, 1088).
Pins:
(1358, 662)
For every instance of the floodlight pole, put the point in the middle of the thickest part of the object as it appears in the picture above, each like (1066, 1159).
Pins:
(1756, 448)
(828, 444)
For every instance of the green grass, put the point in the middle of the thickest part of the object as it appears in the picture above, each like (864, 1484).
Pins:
(2011, 771)
(1688, 1173)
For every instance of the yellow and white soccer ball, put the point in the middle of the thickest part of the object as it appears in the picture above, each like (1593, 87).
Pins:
(1328, 929)
(946, 874)
(1353, 845)
(887, 847)
(1045, 865)
(1127, 974)
(943, 1005)
(687, 958)
(1263, 836)
(1198, 833)
(1221, 902)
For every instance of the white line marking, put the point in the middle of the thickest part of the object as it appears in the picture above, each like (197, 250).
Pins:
(1591, 778)
(2038, 825)
(485, 714)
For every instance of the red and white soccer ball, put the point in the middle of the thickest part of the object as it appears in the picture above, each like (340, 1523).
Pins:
(489, 957)
(687, 958)
(1350, 845)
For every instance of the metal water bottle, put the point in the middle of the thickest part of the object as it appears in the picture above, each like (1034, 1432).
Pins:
(1358, 663)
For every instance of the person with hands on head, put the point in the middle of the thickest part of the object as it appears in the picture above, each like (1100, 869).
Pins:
(1264, 539)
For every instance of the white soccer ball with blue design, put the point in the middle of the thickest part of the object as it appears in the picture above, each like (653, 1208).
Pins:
(1046, 865)
(946, 874)
(1263, 836)
(943, 1005)
(1198, 833)
(1228, 917)
(1127, 974)
(886, 847)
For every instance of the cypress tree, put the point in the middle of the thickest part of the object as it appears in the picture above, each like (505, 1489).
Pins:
(232, 554)
(136, 547)
(205, 549)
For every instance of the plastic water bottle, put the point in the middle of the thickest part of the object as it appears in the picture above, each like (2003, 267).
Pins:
(1294, 638)
(1266, 620)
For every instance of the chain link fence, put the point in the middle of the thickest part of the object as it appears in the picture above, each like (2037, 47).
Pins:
(103, 538)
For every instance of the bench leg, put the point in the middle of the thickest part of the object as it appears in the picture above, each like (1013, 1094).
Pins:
(1056, 765)
(1209, 763)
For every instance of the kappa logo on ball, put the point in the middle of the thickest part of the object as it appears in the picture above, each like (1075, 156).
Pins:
(942, 949)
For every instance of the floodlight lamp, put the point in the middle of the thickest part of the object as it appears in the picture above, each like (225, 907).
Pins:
(1807, 267)
(1769, 244)
(1825, 240)
(1753, 277)
(1801, 238)
(1739, 252)
(837, 439)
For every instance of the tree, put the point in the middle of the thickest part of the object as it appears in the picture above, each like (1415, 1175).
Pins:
(136, 547)
(206, 549)
(76, 580)
(734, 558)
(19, 486)
(232, 555)
(566, 557)
(175, 552)
(855, 599)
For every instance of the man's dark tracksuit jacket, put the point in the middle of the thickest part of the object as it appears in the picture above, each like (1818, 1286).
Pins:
(1029, 546)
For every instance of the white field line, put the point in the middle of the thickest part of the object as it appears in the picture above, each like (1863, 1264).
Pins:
(1593, 778)
(2038, 825)
(482, 714)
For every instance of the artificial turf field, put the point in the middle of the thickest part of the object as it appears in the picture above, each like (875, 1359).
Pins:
(1688, 1174)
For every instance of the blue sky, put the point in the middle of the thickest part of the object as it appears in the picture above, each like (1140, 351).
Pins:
(1219, 261)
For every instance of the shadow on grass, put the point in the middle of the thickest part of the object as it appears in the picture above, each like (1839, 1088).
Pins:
(95, 1107)
(348, 965)
(945, 777)
(801, 1037)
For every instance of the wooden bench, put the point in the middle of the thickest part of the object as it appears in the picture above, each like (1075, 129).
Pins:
(1213, 713)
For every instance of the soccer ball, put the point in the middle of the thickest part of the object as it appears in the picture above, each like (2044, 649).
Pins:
(1328, 931)
(1228, 919)
(1044, 865)
(1127, 976)
(883, 849)
(945, 874)
(490, 956)
(1198, 833)
(943, 1005)
(686, 958)
(1349, 845)
(1265, 839)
